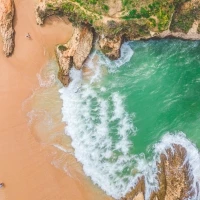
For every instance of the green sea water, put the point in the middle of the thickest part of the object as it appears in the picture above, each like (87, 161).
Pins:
(161, 85)
(118, 116)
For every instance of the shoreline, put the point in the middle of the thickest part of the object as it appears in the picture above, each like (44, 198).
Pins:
(113, 31)
(26, 167)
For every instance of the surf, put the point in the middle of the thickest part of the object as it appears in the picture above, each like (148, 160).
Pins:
(115, 133)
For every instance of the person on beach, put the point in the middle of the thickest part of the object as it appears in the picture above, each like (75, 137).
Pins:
(28, 36)
(1, 185)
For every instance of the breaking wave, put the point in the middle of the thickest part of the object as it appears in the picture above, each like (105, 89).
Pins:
(101, 127)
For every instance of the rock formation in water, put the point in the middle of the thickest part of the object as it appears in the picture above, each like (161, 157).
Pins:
(74, 52)
(6, 25)
(173, 178)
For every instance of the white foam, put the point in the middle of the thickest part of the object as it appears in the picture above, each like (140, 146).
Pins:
(34, 115)
(47, 76)
(126, 54)
(88, 115)
(97, 60)
(192, 156)
(61, 148)
(46, 82)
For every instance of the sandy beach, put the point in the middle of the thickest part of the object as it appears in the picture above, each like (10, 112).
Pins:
(25, 163)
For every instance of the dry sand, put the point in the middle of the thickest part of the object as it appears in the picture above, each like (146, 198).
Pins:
(25, 163)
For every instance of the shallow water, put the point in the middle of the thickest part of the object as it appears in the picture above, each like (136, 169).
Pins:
(43, 109)
(122, 114)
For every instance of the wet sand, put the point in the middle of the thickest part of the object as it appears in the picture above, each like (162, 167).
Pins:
(26, 163)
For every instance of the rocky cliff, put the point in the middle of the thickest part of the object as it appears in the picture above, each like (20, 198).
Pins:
(6, 25)
(74, 52)
(173, 178)
(118, 20)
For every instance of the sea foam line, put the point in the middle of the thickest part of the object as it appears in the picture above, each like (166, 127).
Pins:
(88, 117)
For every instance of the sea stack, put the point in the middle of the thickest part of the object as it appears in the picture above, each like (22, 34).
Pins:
(6, 25)
(74, 52)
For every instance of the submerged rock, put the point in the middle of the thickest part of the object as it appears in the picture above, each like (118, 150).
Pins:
(175, 181)
(6, 25)
(74, 52)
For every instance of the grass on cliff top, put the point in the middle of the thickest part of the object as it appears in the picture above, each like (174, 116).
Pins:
(138, 16)
(183, 19)
(198, 30)
(97, 6)
(86, 11)
(161, 10)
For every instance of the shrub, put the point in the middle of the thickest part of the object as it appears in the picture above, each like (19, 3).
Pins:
(62, 48)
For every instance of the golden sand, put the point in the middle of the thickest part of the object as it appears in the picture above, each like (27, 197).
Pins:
(30, 166)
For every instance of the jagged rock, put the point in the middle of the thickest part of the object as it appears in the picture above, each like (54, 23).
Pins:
(114, 22)
(6, 25)
(40, 13)
(136, 192)
(74, 52)
(111, 46)
(173, 178)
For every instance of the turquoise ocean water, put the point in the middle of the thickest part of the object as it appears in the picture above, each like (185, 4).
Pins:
(126, 112)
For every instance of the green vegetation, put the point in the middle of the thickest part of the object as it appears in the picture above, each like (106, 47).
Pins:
(49, 5)
(198, 30)
(137, 17)
(152, 22)
(106, 50)
(183, 20)
(62, 48)
(162, 10)
(95, 6)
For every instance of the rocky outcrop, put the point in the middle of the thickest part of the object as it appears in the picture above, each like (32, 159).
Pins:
(111, 46)
(173, 178)
(6, 25)
(74, 52)
(138, 192)
(115, 20)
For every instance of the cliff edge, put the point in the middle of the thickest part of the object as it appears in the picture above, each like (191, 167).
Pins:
(74, 52)
(117, 20)
(6, 25)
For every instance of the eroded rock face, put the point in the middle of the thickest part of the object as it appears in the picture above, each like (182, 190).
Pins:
(40, 12)
(111, 46)
(137, 193)
(173, 178)
(74, 52)
(6, 25)
(115, 22)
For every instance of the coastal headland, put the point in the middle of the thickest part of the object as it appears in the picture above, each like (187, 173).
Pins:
(114, 21)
